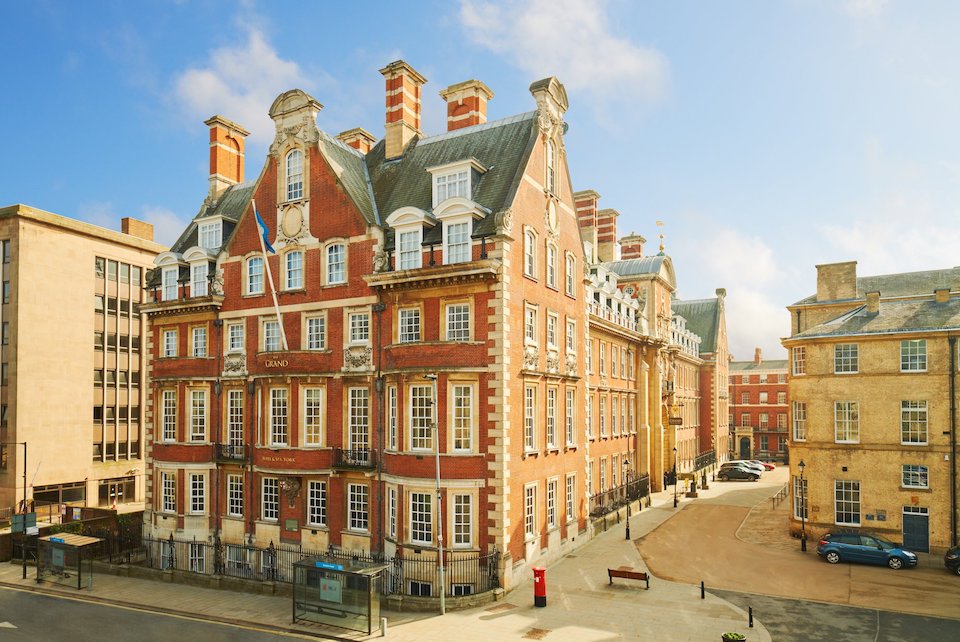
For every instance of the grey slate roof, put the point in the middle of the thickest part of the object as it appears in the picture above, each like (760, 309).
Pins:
(355, 178)
(703, 318)
(905, 284)
(765, 364)
(637, 267)
(892, 317)
(502, 146)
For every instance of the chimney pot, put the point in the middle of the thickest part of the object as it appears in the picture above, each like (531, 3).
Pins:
(466, 104)
(403, 91)
(631, 246)
(226, 153)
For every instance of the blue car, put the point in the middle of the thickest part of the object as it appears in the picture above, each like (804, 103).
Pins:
(866, 549)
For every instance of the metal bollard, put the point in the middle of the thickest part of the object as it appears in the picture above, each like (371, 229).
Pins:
(751, 617)
(703, 593)
(383, 627)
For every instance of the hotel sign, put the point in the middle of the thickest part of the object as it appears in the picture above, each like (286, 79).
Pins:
(275, 363)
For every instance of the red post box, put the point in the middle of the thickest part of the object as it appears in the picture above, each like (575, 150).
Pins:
(539, 586)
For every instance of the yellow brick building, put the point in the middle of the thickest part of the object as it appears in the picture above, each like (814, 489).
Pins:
(873, 370)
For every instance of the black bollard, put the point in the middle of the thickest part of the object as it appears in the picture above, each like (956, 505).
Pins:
(703, 594)
(751, 617)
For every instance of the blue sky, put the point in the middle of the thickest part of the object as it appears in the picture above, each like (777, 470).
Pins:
(767, 136)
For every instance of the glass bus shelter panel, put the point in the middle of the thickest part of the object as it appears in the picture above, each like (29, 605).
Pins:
(336, 594)
(66, 559)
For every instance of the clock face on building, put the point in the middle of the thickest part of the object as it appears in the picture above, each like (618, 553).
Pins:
(552, 216)
(292, 221)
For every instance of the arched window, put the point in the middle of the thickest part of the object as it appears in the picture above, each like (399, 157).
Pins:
(294, 265)
(336, 263)
(530, 253)
(255, 275)
(294, 175)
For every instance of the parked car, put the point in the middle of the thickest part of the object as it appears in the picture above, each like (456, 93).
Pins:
(736, 471)
(766, 464)
(866, 549)
(952, 559)
(747, 464)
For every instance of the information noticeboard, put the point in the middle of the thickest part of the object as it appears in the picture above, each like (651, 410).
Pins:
(330, 590)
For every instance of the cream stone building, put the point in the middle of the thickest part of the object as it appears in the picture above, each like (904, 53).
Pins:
(872, 384)
(72, 384)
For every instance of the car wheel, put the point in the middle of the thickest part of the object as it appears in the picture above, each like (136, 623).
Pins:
(957, 570)
(754, 477)
(833, 557)
(723, 477)
(895, 563)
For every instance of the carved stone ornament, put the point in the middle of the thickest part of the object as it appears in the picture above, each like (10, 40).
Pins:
(550, 220)
(291, 488)
(531, 358)
(216, 284)
(550, 121)
(571, 365)
(235, 365)
(358, 357)
(553, 362)
(504, 221)
(380, 262)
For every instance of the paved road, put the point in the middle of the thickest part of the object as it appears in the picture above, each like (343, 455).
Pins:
(682, 549)
(41, 617)
(788, 620)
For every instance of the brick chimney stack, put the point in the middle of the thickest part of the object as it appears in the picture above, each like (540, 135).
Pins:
(358, 138)
(226, 153)
(631, 246)
(466, 104)
(134, 227)
(757, 356)
(607, 234)
(403, 88)
(586, 203)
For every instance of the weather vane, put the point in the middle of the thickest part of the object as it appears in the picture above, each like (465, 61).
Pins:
(660, 224)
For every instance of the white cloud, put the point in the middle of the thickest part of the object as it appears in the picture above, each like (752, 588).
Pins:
(167, 226)
(239, 83)
(570, 39)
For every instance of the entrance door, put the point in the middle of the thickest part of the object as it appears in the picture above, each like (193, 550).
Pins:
(916, 529)
(744, 448)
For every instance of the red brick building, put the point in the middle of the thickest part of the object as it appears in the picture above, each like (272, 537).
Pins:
(758, 408)
(419, 279)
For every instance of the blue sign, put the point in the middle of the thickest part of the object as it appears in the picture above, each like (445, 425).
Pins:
(329, 566)
(58, 540)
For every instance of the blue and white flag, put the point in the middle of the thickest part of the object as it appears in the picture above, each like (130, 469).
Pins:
(263, 230)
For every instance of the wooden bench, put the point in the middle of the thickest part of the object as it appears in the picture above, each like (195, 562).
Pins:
(628, 574)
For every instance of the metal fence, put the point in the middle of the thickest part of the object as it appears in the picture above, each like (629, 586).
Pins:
(466, 573)
(705, 459)
(610, 500)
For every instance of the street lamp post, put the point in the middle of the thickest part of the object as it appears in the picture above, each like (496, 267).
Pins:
(803, 510)
(626, 463)
(436, 443)
(674, 476)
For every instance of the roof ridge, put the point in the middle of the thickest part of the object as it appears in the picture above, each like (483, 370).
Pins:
(509, 120)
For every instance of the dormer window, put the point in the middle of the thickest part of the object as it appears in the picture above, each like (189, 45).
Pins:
(452, 184)
(456, 242)
(409, 248)
(211, 235)
(198, 279)
(455, 180)
(294, 175)
(170, 283)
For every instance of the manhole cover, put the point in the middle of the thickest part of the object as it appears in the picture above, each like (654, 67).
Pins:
(536, 634)
(506, 606)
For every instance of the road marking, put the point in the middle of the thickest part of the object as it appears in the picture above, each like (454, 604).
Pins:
(7, 625)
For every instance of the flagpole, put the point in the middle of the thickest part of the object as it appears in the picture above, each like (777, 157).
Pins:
(273, 290)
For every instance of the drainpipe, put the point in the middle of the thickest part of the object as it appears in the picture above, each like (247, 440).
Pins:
(952, 341)
(378, 383)
(217, 428)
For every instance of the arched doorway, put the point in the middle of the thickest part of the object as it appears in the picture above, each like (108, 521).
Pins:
(744, 448)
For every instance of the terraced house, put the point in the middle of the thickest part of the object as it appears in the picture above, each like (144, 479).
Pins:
(421, 282)
(872, 385)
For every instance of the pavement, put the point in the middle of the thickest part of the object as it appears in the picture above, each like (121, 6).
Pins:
(581, 604)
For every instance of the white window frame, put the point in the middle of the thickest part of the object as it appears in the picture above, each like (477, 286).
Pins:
(235, 427)
(530, 527)
(571, 497)
(269, 499)
(799, 360)
(210, 235)
(409, 325)
(801, 498)
(358, 508)
(392, 418)
(198, 415)
(846, 358)
(169, 343)
(551, 408)
(313, 416)
(530, 323)
(279, 416)
(234, 495)
(198, 493)
(316, 503)
(553, 321)
(552, 486)
(457, 243)
(914, 420)
(552, 265)
(841, 488)
(272, 341)
(359, 325)
(293, 268)
(913, 355)
(530, 418)
(255, 275)
(570, 416)
(316, 332)
(168, 492)
(908, 471)
(410, 248)
(169, 285)
(451, 185)
(530, 254)
(571, 336)
(168, 417)
(420, 417)
(462, 417)
(458, 322)
(462, 520)
(335, 261)
(420, 524)
(293, 174)
(198, 279)
(199, 336)
(236, 338)
(392, 513)
(571, 277)
(846, 421)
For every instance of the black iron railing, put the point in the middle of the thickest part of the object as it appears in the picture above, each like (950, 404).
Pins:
(230, 452)
(705, 459)
(610, 500)
(354, 458)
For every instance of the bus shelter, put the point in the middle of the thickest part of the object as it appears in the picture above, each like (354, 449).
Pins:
(341, 593)
(66, 559)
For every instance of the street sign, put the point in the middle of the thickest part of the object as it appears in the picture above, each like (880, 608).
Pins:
(675, 421)
(17, 523)
(329, 566)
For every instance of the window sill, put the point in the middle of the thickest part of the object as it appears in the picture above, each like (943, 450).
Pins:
(914, 443)
(315, 527)
(553, 449)
(531, 453)
(913, 489)
(333, 285)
